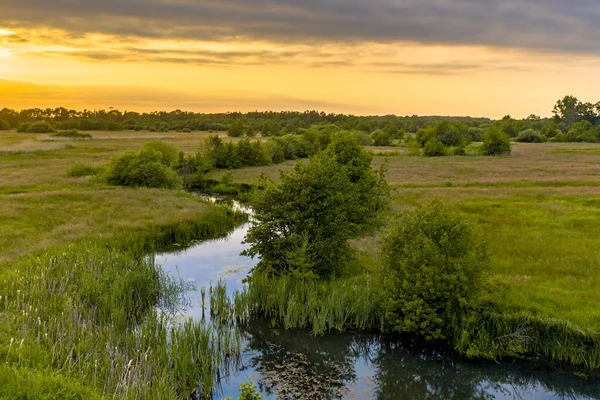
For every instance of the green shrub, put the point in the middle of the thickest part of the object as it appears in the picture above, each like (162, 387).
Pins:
(434, 148)
(169, 154)
(381, 138)
(496, 142)
(36, 127)
(143, 169)
(248, 391)
(73, 134)
(236, 129)
(434, 272)
(79, 170)
(530, 136)
(22, 128)
(4, 126)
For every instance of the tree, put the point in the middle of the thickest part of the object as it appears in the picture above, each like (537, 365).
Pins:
(169, 154)
(381, 138)
(434, 268)
(567, 110)
(304, 223)
(236, 129)
(496, 142)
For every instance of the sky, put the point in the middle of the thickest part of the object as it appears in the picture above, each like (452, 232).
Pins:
(428, 57)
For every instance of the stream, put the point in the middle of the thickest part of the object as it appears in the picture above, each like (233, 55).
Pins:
(297, 365)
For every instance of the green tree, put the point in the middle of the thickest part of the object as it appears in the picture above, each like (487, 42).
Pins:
(567, 110)
(304, 223)
(434, 268)
(496, 142)
(381, 138)
(236, 129)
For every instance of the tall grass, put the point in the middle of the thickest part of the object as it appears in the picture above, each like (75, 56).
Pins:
(323, 306)
(101, 318)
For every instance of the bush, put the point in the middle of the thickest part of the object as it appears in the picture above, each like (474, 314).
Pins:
(4, 126)
(381, 138)
(435, 272)
(73, 134)
(434, 148)
(304, 223)
(496, 142)
(36, 127)
(143, 169)
(530, 136)
(236, 129)
(169, 154)
(79, 170)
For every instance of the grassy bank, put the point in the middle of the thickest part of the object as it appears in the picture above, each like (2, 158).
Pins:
(84, 312)
(93, 319)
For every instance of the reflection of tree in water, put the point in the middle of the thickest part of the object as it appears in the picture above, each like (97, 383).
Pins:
(410, 371)
(296, 365)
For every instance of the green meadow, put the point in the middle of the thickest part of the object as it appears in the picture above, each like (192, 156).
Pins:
(538, 209)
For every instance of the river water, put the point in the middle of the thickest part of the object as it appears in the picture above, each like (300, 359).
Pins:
(297, 365)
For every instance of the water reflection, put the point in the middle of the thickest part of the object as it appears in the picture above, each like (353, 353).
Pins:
(296, 365)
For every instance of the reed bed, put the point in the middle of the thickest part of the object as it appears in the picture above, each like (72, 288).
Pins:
(99, 319)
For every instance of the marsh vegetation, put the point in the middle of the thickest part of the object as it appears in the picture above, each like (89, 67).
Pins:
(494, 257)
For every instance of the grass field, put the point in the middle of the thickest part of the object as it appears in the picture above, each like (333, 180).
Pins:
(539, 208)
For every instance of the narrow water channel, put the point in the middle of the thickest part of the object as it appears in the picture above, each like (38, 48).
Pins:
(297, 365)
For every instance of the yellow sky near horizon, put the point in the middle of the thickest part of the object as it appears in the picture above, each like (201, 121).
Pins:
(403, 78)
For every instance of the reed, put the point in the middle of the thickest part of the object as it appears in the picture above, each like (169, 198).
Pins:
(100, 319)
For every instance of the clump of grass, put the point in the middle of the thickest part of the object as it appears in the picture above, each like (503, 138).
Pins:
(79, 170)
(72, 134)
(323, 306)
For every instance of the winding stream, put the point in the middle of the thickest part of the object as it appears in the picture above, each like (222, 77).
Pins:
(296, 365)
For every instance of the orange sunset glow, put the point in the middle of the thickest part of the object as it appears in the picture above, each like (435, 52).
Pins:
(362, 57)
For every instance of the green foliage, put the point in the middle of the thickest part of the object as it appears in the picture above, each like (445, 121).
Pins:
(381, 138)
(303, 224)
(435, 268)
(530, 136)
(79, 170)
(434, 148)
(496, 142)
(4, 125)
(169, 154)
(73, 134)
(146, 168)
(248, 391)
(236, 129)
(36, 127)
(237, 155)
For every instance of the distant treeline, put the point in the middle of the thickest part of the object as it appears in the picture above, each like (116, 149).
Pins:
(573, 121)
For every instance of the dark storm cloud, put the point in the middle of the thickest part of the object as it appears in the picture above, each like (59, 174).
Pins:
(571, 26)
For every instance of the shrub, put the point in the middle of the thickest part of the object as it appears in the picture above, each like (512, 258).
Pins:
(73, 134)
(434, 148)
(530, 136)
(304, 223)
(435, 268)
(169, 154)
(4, 126)
(79, 170)
(381, 138)
(236, 129)
(143, 169)
(36, 127)
(496, 142)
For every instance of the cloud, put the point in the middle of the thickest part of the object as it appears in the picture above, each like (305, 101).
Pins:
(549, 25)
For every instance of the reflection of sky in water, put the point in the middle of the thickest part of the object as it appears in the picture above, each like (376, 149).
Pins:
(376, 371)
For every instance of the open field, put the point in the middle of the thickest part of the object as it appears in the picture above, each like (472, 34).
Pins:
(538, 209)
(40, 206)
